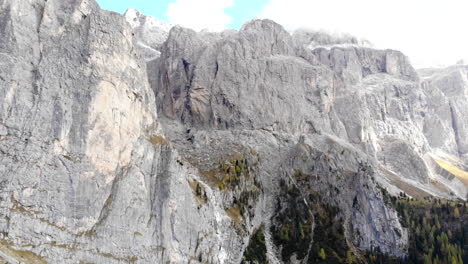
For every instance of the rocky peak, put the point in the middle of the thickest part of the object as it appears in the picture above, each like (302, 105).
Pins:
(447, 93)
(452, 81)
(267, 36)
(260, 79)
(150, 33)
(355, 63)
(313, 38)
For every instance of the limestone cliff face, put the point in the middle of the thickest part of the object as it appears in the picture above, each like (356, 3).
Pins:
(263, 78)
(447, 96)
(262, 81)
(86, 173)
(98, 165)
(256, 89)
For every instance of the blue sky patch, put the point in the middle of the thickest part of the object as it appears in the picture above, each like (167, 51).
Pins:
(241, 11)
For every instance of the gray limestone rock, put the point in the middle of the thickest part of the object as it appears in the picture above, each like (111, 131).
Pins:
(3, 130)
(98, 165)
(86, 173)
(263, 80)
(312, 39)
(447, 91)
(258, 82)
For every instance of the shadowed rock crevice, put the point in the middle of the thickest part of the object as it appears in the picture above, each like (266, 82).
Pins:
(455, 129)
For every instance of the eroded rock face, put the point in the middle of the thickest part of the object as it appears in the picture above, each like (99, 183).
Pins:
(345, 177)
(99, 166)
(86, 173)
(240, 80)
(447, 98)
(263, 81)
(257, 89)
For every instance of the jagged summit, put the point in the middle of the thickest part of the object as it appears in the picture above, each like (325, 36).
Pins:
(231, 83)
(150, 33)
(321, 39)
(262, 25)
(137, 19)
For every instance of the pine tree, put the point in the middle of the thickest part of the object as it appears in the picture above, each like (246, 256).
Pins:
(454, 260)
(322, 254)
(427, 259)
(350, 259)
(456, 212)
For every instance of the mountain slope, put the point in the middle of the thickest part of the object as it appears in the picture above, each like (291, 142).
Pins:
(124, 142)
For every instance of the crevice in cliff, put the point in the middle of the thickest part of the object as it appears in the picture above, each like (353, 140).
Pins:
(186, 69)
(210, 102)
(216, 71)
(455, 127)
(40, 10)
(107, 207)
(187, 89)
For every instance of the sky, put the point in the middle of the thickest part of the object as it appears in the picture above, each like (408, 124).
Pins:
(432, 33)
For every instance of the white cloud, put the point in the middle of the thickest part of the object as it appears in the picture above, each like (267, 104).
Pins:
(430, 32)
(200, 14)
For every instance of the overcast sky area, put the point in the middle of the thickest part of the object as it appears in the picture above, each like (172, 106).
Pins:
(433, 33)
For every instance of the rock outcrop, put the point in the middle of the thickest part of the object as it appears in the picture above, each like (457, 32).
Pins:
(86, 172)
(262, 78)
(447, 91)
(149, 32)
(235, 132)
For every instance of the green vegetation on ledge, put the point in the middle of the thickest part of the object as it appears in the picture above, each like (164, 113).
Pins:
(256, 250)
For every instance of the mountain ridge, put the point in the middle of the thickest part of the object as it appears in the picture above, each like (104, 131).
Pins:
(132, 141)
